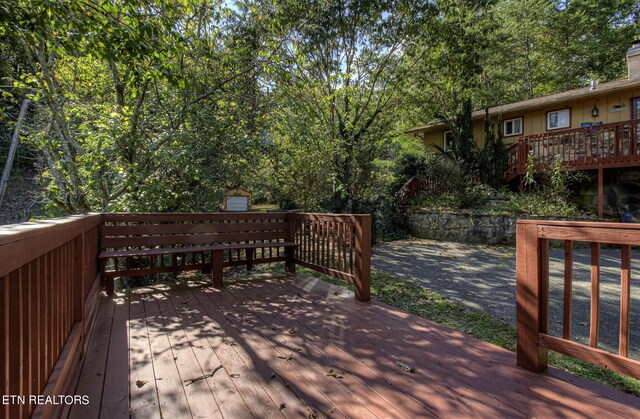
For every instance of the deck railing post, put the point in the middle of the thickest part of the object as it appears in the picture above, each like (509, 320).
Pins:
(362, 279)
(529, 295)
(290, 252)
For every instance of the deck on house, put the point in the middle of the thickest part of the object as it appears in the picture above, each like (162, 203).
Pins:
(273, 345)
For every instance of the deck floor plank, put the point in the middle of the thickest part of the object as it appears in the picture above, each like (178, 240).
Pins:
(248, 341)
(313, 364)
(455, 396)
(239, 364)
(91, 380)
(288, 383)
(201, 332)
(143, 387)
(373, 390)
(115, 397)
(171, 395)
(164, 335)
(506, 379)
(202, 402)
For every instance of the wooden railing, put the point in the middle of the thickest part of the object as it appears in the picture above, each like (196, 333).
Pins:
(48, 290)
(337, 245)
(49, 280)
(418, 185)
(591, 147)
(532, 292)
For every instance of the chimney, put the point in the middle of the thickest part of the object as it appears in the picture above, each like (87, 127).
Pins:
(633, 60)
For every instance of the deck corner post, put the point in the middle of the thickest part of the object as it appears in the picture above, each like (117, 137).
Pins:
(250, 254)
(600, 193)
(530, 316)
(290, 252)
(110, 285)
(362, 280)
(217, 261)
(290, 264)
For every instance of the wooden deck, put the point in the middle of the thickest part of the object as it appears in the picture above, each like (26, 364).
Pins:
(276, 345)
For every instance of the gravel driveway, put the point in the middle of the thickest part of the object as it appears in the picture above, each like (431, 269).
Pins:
(483, 277)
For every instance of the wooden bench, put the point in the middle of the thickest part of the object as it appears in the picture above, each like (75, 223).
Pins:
(144, 244)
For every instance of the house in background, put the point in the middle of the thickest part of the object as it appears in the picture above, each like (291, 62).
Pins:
(591, 128)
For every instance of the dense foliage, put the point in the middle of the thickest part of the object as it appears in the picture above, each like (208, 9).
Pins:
(162, 105)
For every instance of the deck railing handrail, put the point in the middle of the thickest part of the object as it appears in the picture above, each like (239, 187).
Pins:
(49, 283)
(589, 147)
(421, 184)
(532, 292)
(47, 296)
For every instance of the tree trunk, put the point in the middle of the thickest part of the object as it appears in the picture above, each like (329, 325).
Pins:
(12, 150)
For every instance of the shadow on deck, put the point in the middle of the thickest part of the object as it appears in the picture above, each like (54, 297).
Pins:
(281, 345)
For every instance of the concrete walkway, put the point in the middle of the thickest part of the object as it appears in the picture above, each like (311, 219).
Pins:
(483, 278)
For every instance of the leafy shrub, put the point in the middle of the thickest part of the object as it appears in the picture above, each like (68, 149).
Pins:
(484, 199)
(431, 166)
(387, 223)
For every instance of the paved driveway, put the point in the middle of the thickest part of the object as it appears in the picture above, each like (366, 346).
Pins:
(483, 277)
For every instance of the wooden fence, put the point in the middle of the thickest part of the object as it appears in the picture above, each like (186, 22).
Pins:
(586, 148)
(532, 292)
(48, 291)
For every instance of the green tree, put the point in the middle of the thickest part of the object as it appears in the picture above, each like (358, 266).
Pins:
(341, 69)
(493, 156)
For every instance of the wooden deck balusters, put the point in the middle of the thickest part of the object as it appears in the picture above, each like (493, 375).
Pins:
(338, 245)
(532, 292)
(48, 294)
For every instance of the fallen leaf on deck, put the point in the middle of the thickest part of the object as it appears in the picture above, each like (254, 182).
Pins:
(140, 383)
(291, 331)
(273, 375)
(282, 406)
(332, 373)
(313, 416)
(288, 358)
(234, 375)
(406, 367)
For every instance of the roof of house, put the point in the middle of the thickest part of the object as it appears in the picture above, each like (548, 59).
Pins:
(540, 102)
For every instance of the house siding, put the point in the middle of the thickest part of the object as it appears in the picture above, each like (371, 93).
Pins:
(535, 120)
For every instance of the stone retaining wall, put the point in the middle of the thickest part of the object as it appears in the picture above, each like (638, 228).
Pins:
(465, 227)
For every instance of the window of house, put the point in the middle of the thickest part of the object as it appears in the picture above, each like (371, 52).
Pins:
(448, 141)
(513, 127)
(559, 119)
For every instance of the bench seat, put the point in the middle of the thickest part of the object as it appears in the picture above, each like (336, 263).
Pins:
(109, 254)
(215, 267)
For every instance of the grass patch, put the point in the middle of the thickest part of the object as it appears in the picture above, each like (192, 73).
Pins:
(430, 305)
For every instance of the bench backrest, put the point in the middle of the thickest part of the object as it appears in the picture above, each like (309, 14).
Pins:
(126, 231)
